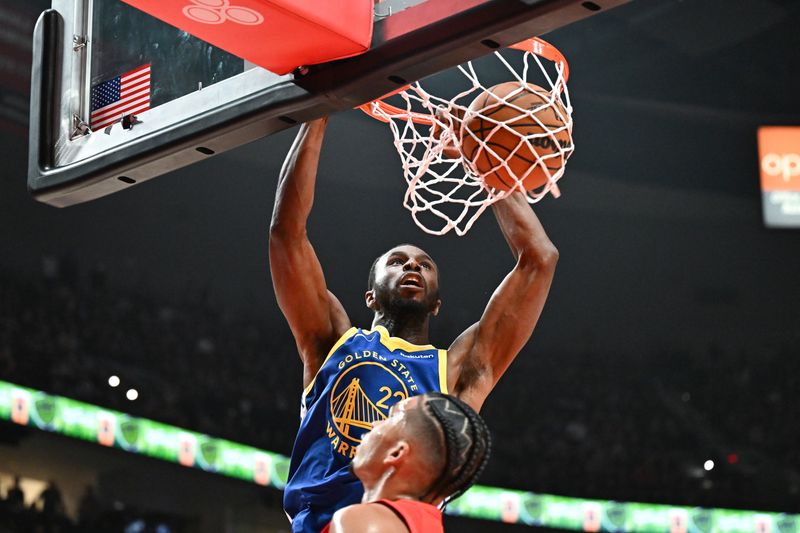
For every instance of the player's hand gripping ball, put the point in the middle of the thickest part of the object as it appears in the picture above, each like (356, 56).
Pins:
(449, 120)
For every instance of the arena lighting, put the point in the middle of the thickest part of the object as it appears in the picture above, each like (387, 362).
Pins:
(113, 381)
(708, 465)
(132, 394)
(71, 418)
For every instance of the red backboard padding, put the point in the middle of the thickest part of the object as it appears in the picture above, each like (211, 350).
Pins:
(278, 35)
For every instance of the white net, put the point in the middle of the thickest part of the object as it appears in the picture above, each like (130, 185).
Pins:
(482, 138)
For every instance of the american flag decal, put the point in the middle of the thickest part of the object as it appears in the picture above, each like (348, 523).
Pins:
(126, 94)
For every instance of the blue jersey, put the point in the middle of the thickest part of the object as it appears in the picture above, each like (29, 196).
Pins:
(365, 373)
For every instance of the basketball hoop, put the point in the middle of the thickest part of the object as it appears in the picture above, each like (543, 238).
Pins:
(445, 190)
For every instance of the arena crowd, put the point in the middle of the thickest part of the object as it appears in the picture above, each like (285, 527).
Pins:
(595, 425)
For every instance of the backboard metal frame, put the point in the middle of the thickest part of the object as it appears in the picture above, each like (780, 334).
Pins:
(68, 165)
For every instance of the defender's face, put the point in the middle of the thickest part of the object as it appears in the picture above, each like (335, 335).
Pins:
(376, 446)
(407, 273)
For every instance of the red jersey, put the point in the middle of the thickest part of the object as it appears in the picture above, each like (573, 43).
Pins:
(419, 517)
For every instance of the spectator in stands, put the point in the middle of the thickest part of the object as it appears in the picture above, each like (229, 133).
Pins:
(15, 497)
(50, 502)
(89, 509)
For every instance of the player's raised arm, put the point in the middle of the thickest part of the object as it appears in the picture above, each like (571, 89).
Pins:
(479, 357)
(315, 316)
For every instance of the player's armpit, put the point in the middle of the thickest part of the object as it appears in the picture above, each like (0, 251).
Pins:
(367, 518)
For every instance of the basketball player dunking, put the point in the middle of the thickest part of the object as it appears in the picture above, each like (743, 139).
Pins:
(352, 376)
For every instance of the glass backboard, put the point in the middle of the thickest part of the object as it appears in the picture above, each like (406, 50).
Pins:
(119, 97)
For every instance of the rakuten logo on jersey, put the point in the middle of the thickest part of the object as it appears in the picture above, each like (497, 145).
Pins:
(786, 166)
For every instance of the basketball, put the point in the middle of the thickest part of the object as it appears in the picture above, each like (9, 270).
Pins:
(499, 128)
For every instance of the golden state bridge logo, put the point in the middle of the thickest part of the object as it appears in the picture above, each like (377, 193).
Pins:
(361, 396)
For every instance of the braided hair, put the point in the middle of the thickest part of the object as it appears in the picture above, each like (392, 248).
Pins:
(467, 444)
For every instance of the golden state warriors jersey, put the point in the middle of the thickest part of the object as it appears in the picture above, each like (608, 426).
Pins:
(365, 373)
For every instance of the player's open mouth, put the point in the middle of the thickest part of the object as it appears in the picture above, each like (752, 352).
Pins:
(411, 280)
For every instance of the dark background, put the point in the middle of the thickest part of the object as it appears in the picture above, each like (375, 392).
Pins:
(670, 335)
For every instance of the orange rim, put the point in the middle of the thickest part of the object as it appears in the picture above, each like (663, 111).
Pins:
(533, 45)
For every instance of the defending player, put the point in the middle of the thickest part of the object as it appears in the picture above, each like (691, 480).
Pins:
(352, 376)
(431, 449)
